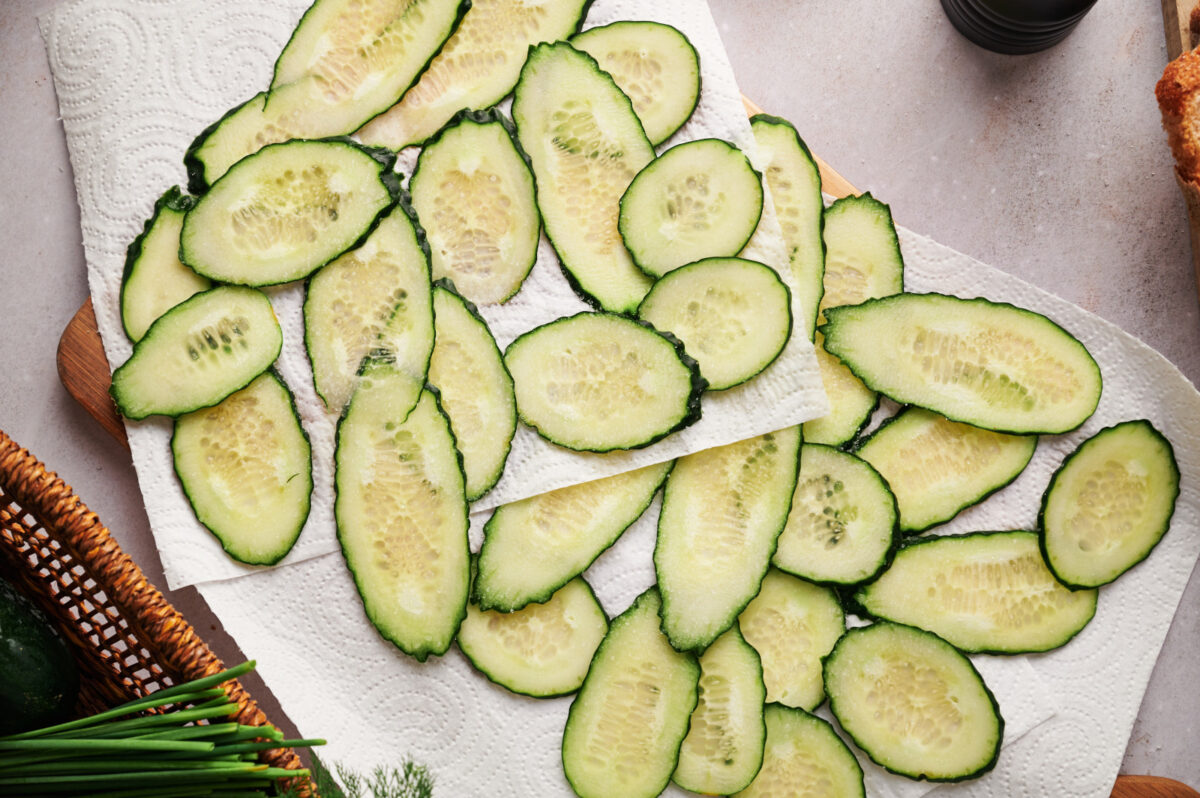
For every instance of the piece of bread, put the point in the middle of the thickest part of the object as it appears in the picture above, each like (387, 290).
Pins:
(1178, 94)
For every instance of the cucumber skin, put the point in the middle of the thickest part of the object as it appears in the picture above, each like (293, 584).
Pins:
(1041, 522)
(174, 199)
(39, 679)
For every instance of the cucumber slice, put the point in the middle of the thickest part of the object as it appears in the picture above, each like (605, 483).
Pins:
(154, 280)
(989, 364)
(476, 389)
(654, 64)
(375, 299)
(795, 184)
(792, 624)
(197, 353)
(733, 315)
(937, 468)
(246, 467)
(842, 525)
(629, 719)
(851, 403)
(345, 68)
(541, 650)
(286, 211)
(1109, 504)
(476, 67)
(401, 511)
(723, 749)
(804, 758)
(985, 591)
(585, 145)
(533, 546)
(598, 382)
(697, 200)
(723, 510)
(474, 194)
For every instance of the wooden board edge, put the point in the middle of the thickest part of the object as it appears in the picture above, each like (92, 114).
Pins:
(1177, 15)
(83, 370)
(1151, 787)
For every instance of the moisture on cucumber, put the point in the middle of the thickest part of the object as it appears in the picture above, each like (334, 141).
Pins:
(246, 467)
(1109, 504)
(654, 64)
(601, 381)
(284, 212)
(804, 758)
(989, 364)
(732, 315)
(199, 352)
(984, 591)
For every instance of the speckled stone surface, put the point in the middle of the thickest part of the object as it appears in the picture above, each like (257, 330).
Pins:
(1052, 167)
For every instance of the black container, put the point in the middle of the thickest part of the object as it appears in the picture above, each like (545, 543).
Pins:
(1016, 26)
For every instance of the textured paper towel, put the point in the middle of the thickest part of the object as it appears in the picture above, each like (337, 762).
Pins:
(137, 80)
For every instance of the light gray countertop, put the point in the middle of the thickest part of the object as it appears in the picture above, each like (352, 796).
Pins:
(1052, 167)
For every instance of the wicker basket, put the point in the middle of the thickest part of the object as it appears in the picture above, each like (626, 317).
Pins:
(128, 641)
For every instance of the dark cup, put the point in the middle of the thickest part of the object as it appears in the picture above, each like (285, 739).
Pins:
(1016, 26)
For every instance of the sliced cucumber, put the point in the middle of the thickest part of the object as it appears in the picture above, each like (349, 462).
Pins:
(197, 353)
(401, 511)
(286, 211)
(937, 467)
(599, 381)
(345, 67)
(697, 200)
(533, 546)
(723, 510)
(914, 703)
(585, 145)
(629, 719)
(733, 315)
(246, 467)
(1109, 504)
(792, 624)
(842, 525)
(851, 403)
(476, 67)
(476, 389)
(795, 184)
(375, 299)
(985, 591)
(723, 749)
(155, 281)
(984, 363)
(804, 758)
(655, 65)
(474, 194)
(541, 650)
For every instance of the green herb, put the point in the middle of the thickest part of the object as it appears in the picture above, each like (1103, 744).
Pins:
(409, 780)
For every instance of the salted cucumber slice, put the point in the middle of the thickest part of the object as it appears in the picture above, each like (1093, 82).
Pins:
(654, 64)
(851, 404)
(474, 194)
(985, 363)
(401, 511)
(246, 467)
(533, 546)
(476, 388)
(723, 749)
(914, 703)
(476, 67)
(541, 650)
(697, 200)
(842, 525)
(375, 299)
(985, 591)
(936, 467)
(1109, 504)
(600, 381)
(155, 280)
(585, 145)
(286, 211)
(197, 353)
(723, 509)
(804, 758)
(732, 315)
(792, 624)
(627, 722)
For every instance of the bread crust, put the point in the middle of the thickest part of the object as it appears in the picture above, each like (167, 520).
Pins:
(1178, 94)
